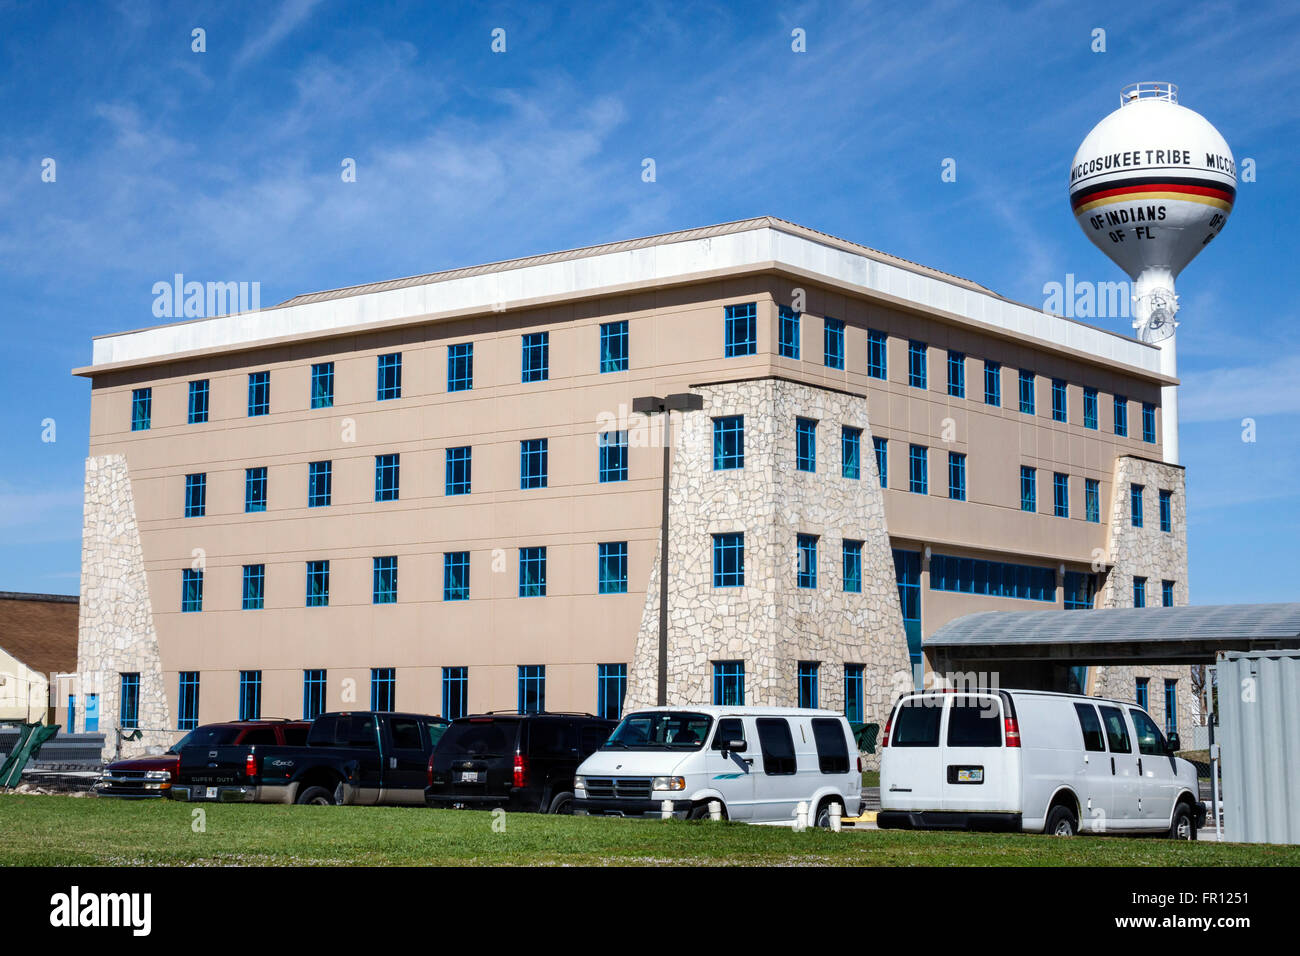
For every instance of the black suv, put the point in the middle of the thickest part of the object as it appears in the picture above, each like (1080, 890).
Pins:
(515, 761)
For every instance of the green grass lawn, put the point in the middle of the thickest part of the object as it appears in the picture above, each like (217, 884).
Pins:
(59, 831)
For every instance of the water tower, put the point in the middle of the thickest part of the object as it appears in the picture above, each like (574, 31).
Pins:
(1151, 185)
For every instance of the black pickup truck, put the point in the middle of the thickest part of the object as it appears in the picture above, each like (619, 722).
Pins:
(360, 757)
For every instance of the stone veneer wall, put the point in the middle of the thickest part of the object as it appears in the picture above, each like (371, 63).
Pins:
(115, 631)
(771, 624)
(1156, 555)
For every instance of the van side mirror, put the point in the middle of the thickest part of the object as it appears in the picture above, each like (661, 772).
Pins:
(1175, 742)
(734, 746)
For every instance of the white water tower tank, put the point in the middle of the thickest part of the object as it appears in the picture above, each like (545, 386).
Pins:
(1151, 186)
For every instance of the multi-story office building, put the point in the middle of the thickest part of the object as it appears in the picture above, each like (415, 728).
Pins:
(432, 493)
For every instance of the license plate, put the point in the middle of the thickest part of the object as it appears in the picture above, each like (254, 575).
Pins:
(211, 793)
(970, 775)
(469, 777)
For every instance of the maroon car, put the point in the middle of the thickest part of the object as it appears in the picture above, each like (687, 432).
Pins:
(153, 776)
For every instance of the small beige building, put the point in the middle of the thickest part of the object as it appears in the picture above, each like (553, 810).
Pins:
(38, 650)
(432, 493)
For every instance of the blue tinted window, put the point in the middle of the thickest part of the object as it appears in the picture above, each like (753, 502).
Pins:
(460, 367)
(850, 452)
(808, 671)
(198, 402)
(611, 567)
(1060, 407)
(388, 477)
(313, 694)
(877, 354)
(1028, 488)
(533, 463)
(322, 385)
(741, 335)
(853, 693)
(1148, 422)
(805, 444)
(532, 572)
(141, 409)
(458, 470)
(881, 446)
(834, 343)
(1092, 500)
(611, 688)
(992, 578)
(320, 479)
(807, 575)
(613, 346)
(318, 584)
(1135, 504)
(259, 394)
(455, 576)
(789, 338)
(254, 587)
(532, 689)
(455, 692)
(728, 442)
(1061, 495)
(389, 377)
(536, 360)
(196, 495)
(129, 710)
(613, 456)
(729, 560)
(918, 471)
(956, 476)
(384, 590)
(254, 489)
(1166, 511)
(250, 695)
(192, 589)
(1139, 592)
(992, 383)
(383, 688)
(1027, 392)
(852, 554)
(916, 362)
(729, 683)
(188, 701)
(956, 374)
(1090, 408)
(1121, 416)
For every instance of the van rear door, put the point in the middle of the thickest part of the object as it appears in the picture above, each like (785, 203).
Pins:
(980, 773)
(911, 766)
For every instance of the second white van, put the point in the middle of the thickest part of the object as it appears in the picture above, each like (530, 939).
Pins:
(758, 763)
(1034, 761)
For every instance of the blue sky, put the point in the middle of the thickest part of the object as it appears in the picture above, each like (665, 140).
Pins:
(225, 165)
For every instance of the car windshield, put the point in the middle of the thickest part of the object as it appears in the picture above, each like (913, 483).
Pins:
(660, 730)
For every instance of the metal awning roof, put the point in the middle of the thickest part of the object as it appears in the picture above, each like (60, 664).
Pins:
(1173, 634)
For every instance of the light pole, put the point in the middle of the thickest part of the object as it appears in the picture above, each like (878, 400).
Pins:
(656, 405)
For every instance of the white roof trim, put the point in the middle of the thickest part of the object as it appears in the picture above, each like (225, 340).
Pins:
(666, 262)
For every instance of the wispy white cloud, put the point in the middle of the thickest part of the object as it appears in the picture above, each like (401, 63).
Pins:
(291, 14)
(1251, 391)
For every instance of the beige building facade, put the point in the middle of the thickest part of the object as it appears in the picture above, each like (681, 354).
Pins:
(241, 468)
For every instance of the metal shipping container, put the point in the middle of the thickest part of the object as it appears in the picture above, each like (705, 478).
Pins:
(1259, 739)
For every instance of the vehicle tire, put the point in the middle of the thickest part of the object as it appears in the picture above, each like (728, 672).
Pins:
(823, 818)
(1183, 826)
(562, 804)
(1061, 822)
(318, 796)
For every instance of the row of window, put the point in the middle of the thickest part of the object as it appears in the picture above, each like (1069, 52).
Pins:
(741, 338)
(611, 688)
(534, 367)
(534, 468)
(611, 578)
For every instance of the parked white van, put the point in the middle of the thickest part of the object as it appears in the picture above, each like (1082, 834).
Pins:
(759, 763)
(1033, 761)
